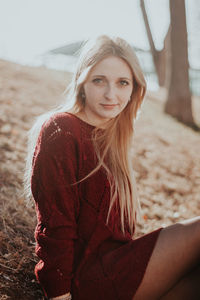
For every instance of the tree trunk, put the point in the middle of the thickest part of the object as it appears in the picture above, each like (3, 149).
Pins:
(179, 103)
(159, 57)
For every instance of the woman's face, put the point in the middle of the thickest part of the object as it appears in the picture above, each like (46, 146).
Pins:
(107, 90)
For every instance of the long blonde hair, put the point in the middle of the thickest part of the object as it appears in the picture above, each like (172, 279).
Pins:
(113, 146)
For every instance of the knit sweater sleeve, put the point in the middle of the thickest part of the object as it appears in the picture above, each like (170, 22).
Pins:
(55, 168)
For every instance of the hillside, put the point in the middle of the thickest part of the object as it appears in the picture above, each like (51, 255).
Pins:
(166, 160)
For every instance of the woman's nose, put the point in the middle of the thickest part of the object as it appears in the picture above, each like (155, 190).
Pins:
(110, 92)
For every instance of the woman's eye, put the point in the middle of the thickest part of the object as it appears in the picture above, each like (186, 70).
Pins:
(97, 80)
(124, 82)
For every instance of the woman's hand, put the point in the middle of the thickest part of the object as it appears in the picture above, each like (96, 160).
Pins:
(63, 297)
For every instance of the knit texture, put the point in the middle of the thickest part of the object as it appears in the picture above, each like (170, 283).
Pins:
(78, 251)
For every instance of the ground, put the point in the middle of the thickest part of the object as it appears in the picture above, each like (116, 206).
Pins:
(165, 158)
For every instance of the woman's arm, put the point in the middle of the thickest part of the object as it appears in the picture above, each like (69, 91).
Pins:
(57, 203)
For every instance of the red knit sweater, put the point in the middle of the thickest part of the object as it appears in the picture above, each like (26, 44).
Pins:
(78, 252)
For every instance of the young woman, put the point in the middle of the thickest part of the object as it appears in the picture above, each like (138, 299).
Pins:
(82, 181)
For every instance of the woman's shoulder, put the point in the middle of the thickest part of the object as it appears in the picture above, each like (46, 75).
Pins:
(62, 121)
(60, 125)
(58, 136)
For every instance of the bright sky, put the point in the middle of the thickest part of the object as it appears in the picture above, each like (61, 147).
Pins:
(32, 27)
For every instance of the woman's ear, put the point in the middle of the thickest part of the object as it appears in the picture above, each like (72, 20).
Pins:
(82, 93)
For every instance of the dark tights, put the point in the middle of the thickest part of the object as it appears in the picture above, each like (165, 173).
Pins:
(188, 288)
(173, 271)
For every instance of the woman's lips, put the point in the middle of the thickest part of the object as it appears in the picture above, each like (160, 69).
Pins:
(109, 106)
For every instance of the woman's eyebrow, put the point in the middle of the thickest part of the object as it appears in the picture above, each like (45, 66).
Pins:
(127, 78)
(103, 76)
(96, 75)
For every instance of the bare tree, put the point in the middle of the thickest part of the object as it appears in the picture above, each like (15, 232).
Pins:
(160, 57)
(171, 63)
(179, 103)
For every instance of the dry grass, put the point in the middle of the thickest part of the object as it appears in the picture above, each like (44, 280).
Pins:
(166, 160)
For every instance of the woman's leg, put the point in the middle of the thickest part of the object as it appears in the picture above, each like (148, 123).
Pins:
(188, 288)
(176, 253)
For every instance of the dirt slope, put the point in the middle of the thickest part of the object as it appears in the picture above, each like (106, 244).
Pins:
(166, 160)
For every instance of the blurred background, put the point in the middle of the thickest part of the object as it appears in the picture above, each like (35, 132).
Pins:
(32, 31)
(39, 44)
